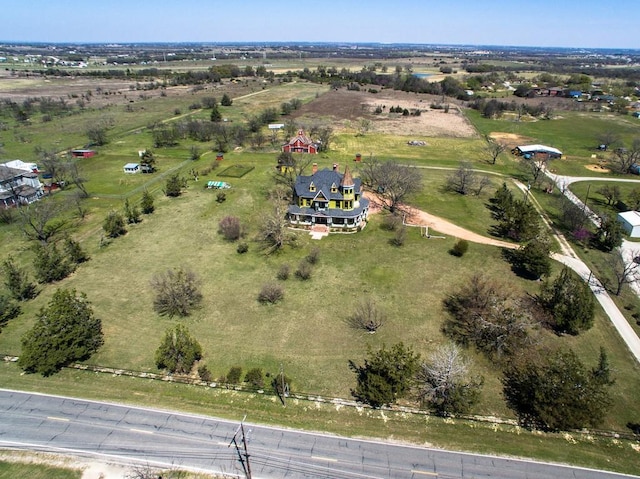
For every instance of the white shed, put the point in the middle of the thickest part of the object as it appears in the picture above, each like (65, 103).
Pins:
(132, 168)
(630, 221)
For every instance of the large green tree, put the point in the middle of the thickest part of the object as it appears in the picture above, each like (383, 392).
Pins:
(386, 375)
(556, 391)
(65, 331)
(570, 301)
(178, 351)
(532, 260)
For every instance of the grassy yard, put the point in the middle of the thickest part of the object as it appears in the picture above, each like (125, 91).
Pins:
(11, 470)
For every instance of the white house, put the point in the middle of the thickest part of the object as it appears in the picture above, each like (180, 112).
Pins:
(21, 165)
(132, 168)
(18, 186)
(630, 221)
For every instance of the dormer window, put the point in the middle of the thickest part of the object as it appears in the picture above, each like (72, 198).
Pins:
(334, 188)
(312, 187)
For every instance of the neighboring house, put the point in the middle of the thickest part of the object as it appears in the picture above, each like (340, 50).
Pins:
(21, 165)
(301, 144)
(132, 168)
(533, 151)
(328, 198)
(82, 153)
(18, 187)
(630, 221)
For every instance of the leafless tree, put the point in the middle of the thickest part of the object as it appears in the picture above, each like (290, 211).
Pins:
(494, 148)
(367, 316)
(41, 220)
(465, 180)
(445, 383)
(608, 139)
(610, 193)
(625, 158)
(289, 167)
(393, 180)
(274, 233)
(534, 168)
(624, 270)
(177, 292)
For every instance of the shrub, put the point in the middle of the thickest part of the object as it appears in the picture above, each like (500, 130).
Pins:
(234, 375)
(204, 373)
(391, 222)
(230, 228)
(242, 248)
(221, 197)
(113, 225)
(178, 351)
(314, 256)
(255, 378)
(367, 316)
(284, 272)
(460, 248)
(400, 236)
(271, 293)
(177, 292)
(304, 271)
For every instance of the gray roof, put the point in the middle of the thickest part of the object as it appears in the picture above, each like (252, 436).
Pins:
(330, 212)
(323, 180)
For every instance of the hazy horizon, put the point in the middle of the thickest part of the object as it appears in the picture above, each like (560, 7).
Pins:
(546, 23)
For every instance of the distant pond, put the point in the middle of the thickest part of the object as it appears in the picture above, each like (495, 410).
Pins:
(422, 75)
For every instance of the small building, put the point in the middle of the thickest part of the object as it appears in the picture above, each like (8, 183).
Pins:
(18, 187)
(301, 144)
(21, 165)
(82, 153)
(539, 151)
(630, 221)
(131, 168)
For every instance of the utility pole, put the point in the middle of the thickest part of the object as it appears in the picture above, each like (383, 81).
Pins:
(244, 457)
(282, 385)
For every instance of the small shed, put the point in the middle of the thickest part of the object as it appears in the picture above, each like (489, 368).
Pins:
(630, 221)
(82, 153)
(132, 168)
(533, 151)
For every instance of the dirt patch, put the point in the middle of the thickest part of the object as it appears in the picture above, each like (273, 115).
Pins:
(598, 168)
(510, 139)
(344, 107)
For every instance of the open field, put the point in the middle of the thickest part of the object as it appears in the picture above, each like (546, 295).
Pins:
(307, 333)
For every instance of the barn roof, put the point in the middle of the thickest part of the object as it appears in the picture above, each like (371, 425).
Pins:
(539, 148)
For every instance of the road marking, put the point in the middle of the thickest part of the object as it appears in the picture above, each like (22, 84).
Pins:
(61, 419)
(321, 458)
(141, 431)
(222, 443)
(426, 473)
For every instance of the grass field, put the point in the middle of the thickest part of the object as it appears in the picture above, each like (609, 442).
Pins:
(307, 333)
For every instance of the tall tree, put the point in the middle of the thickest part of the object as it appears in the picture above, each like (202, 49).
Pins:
(624, 159)
(146, 203)
(50, 264)
(9, 310)
(65, 331)
(392, 179)
(17, 282)
(178, 351)
(555, 392)
(532, 260)
(445, 383)
(624, 270)
(570, 301)
(494, 148)
(42, 220)
(609, 233)
(386, 375)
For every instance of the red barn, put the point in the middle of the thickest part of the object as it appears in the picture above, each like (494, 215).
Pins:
(301, 144)
(82, 153)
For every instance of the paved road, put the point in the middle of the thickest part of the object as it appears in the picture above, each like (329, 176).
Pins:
(169, 439)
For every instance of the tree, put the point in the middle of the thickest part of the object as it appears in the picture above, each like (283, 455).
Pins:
(113, 225)
(610, 193)
(146, 203)
(624, 159)
(609, 233)
(517, 220)
(65, 331)
(445, 384)
(178, 351)
(608, 139)
(8, 310)
(177, 292)
(216, 116)
(494, 149)
(624, 271)
(148, 160)
(17, 281)
(273, 232)
(289, 167)
(226, 100)
(393, 180)
(484, 313)
(534, 168)
(97, 134)
(364, 125)
(174, 186)
(230, 228)
(131, 213)
(74, 251)
(555, 392)
(367, 316)
(255, 378)
(570, 301)
(41, 220)
(386, 376)
(50, 264)
(465, 180)
(634, 199)
(532, 260)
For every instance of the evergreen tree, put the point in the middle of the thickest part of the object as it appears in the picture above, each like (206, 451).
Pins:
(8, 310)
(74, 251)
(226, 100)
(178, 351)
(65, 331)
(609, 233)
(174, 185)
(50, 264)
(113, 225)
(131, 213)
(569, 299)
(17, 281)
(146, 203)
(216, 116)
(533, 261)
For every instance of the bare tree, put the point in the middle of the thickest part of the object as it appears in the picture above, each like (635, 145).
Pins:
(445, 383)
(289, 167)
(367, 316)
(364, 125)
(608, 139)
(624, 270)
(41, 220)
(494, 148)
(610, 193)
(625, 158)
(273, 232)
(463, 180)
(391, 179)
(177, 292)
(534, 168)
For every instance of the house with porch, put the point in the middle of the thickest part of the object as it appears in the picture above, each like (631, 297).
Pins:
(301, 144)
(328, 199)
(18, 186)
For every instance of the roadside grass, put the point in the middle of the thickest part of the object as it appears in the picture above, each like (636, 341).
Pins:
(583, 450)
(11, 470)
(598, 203)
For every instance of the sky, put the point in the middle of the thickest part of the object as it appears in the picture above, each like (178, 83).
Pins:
(546, 23)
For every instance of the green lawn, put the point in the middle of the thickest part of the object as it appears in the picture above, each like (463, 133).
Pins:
(12, 470)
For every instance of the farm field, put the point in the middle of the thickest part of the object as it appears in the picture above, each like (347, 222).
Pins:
(307, 334)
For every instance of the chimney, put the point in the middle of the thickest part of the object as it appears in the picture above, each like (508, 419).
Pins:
(314, 169)
(358, 157)
(335, 167)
